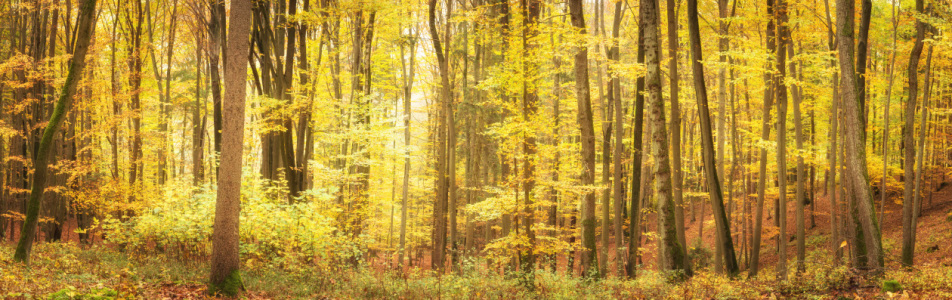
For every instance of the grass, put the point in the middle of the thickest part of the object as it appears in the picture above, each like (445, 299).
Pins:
(67, 271)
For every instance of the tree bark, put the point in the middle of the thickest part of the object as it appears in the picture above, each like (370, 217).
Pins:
(224, 277)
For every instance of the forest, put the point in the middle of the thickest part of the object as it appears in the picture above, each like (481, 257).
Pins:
(475, 149)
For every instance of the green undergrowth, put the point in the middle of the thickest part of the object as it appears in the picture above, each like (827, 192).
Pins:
(68, 271)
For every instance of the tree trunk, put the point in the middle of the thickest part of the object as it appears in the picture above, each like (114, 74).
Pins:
(198, 124)
(224, 277)
(673, 88)
(84, 37)
(780, 88)
(589, 257)
(908, 145)
(637, 152)
(530, 99)
(135, 85)
(619, 150)
(723, 46)
(885, 145)
(857, 178)
(764, 135)
(671, 251)
(439, 210)
(800, 196)
(408, 75)
(707, 144)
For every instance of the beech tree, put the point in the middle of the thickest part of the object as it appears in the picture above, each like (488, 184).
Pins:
(225, 277)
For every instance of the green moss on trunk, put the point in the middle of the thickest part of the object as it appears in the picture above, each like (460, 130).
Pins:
(230, 286)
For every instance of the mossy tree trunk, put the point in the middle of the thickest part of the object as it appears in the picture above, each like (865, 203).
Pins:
(84, 37)
(224, 277)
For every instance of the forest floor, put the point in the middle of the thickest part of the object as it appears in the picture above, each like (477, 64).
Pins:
(73, 271)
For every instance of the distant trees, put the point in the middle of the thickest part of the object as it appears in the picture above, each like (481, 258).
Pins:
(462, 143)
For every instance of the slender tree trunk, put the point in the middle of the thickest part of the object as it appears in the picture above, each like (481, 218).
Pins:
(198, 124)
(885, 145)
(675, 127)
(671, 254)
(780, 15)
(408, 75)
(764, 135)
(135, 85)
(439, 210)
(908, 144)
(637, 152)
(530, 99)
(832, 153)
(800, 196)
(710, 168)
(618, 189)
(84, 37)
(589, 257)
(723, 46)
(923, 128)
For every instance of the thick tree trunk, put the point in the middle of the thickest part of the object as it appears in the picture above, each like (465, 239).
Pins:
(671, 253)
(224, 277)
(857, 178)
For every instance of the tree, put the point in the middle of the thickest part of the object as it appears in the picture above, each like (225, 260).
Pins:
(84, 37)
(530, 108)
(617, 185)
(637, 151)
(707, 144)
(783, 34)
(225, 262)
(671, 253)
(908, 145)
(589, 256)
(867, 238)
(673, 88)
(442, 182)
(409, 72)
(764, 135)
